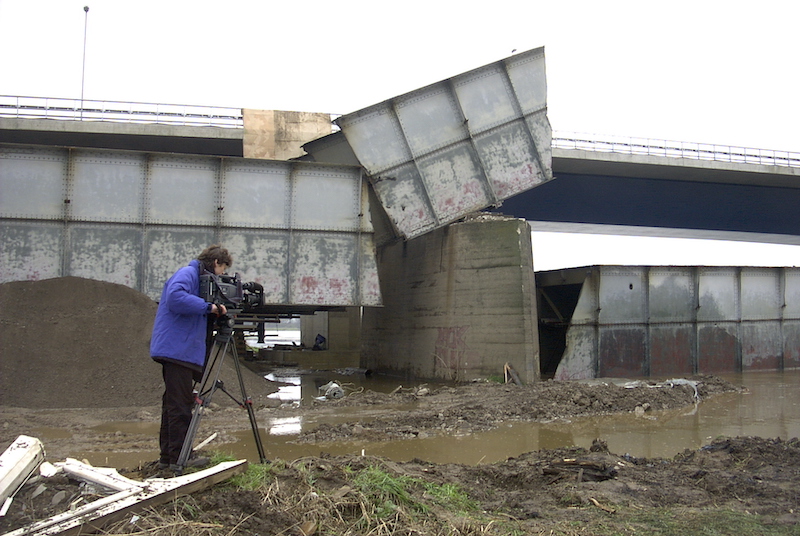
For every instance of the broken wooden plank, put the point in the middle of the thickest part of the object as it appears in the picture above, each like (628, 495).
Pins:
(94, 516)
(17, 464)
(511, 374)
(104, 476)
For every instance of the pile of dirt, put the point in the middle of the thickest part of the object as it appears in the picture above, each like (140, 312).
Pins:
(79, 343)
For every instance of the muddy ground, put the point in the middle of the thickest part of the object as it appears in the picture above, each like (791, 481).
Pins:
(70, 366)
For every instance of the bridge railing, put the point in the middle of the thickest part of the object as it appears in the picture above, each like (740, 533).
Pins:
(212, 116)
(124, 112)
(674, 149)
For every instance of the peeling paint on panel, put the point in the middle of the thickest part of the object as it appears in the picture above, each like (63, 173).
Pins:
(368, 272)
(135, 218)
(30, 251)
(263, 258)
(404, 199)
(169, 250)
(454, 182)
(106, 253)
(323, 269)
(506, 155)
(437, 131)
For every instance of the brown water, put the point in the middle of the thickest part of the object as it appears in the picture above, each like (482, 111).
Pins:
(770, 408)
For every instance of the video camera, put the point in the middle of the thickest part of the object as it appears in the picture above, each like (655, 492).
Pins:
(229, 291)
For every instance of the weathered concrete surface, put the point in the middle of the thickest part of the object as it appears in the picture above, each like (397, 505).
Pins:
(279, 135)
(459, 303)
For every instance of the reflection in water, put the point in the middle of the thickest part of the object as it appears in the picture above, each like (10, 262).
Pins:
(291, 391)
(285, 426)
(770, 408)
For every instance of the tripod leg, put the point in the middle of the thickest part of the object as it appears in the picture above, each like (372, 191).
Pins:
(248, 405)
(206, 390)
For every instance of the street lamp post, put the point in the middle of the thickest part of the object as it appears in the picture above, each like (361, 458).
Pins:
(83, 72)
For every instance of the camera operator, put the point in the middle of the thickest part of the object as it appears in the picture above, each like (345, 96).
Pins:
(179, 344)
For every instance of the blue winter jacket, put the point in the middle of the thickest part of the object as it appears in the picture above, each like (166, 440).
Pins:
(179, 331)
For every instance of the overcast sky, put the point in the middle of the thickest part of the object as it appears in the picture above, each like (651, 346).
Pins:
(722, 72)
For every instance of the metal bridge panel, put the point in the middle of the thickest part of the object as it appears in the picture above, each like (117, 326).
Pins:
(718, 295)
(430, 119)
(791, 344)
(183, 191)
(762, 345)
(621, 350)
(324, 269)
(458, 184)
(170, 249)
(255, 194)
(262, 257)
(527, 74)
(791, 293)
(326, 199)
(301, 230)
(761, 294)
(622, 295)
(671, 349)
(107, 186)
(30, 251)
(32, 183)
(403, 197)
(106, 252)
(672, 296)
(717, 344)
(368, 273)
(428, 136)
(505, 152)
(486, 97)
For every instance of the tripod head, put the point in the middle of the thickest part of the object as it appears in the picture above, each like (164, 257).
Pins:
(228, 320)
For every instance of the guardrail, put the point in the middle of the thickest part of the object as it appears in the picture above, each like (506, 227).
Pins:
(213, 116)
(674, 149)
(123, 112)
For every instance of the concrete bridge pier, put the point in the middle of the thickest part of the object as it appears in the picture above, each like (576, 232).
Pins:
(459, 304)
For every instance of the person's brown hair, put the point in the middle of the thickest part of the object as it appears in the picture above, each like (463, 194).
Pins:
(213, 253)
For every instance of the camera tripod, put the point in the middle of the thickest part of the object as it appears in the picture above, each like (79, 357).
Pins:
(211, 383)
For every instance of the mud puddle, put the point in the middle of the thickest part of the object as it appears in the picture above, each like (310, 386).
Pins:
(770, 407)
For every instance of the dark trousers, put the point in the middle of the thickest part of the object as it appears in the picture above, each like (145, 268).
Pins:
(176, 410)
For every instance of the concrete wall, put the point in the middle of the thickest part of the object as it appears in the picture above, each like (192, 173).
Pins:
(279, 135)
(459, 303)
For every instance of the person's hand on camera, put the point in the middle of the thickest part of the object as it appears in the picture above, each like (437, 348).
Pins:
(218, 309)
